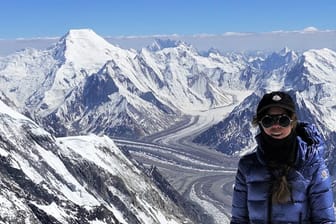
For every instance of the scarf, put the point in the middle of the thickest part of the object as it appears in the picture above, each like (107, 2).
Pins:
(279, 155)
(279, 151)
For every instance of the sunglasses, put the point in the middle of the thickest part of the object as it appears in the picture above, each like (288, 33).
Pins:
(269, 120)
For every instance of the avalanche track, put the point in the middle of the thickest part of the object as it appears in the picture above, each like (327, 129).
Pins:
(204, 175)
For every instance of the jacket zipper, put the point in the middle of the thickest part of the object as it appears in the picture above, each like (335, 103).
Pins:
(269, 205)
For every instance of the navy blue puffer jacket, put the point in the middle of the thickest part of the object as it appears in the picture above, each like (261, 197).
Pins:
(312, 197)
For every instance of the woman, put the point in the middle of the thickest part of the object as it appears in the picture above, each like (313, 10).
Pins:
(285, 180)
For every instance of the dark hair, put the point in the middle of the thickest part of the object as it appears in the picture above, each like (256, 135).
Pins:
(282, 190)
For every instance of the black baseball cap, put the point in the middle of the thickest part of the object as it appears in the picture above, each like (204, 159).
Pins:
(275, 99)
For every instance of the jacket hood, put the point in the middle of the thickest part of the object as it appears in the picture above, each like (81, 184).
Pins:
(311, 142)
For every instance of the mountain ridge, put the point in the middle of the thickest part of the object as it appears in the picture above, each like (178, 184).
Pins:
(109, 91)
(74, 179)
(299, 40)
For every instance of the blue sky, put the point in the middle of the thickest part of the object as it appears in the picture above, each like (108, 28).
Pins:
(53, 18)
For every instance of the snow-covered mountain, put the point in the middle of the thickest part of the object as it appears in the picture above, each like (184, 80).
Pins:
(298, 40)
(309, 78)
(83, 179)
(84, 85)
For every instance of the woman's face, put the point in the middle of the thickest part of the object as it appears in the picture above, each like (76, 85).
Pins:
(277, 131)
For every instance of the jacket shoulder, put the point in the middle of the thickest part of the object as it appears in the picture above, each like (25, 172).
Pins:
(248, 160)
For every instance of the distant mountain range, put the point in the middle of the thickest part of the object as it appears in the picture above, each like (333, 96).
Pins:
(300, 40)
(84, 85)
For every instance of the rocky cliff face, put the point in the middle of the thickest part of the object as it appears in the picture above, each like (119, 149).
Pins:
(75, 180)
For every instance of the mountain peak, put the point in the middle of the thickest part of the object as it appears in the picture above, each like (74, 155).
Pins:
(85, 46)
(284, 51)
(84, 37)
(310, 29)
(160, 44)
(80, 32)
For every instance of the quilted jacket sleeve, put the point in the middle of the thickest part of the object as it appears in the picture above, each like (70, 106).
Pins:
(321, 195)
(320, 192)
(239, 199)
